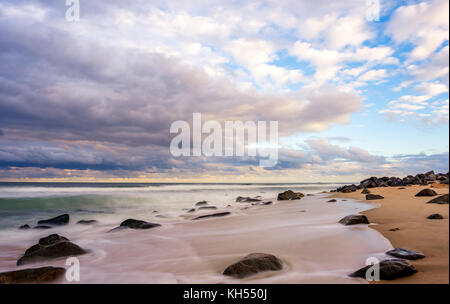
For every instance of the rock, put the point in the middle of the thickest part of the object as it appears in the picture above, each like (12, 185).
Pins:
(56, 221)
(354, 219)
(309, 194)
(212, 215)
(365, 191)
(371, 197)
(136, 224)
(25, 227)
(42, 227)
(389, 270)
(247, 199)
(441, 200)
(401, 188)
(435, 216)
(253, 264)
(290, 195)
(36, 275)
(332, 201)
(267, 203)
(207, 208)
(202, 203)
(191, 210)
(87, 222)
(426, 192)
(50, 247)
(405, 254)
(394, 229)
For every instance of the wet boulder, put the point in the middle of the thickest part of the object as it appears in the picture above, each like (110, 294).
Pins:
(371, 197)
(290, 195)
(51, 247)
(354, 219)
(253, 264)
(332, 201)
(427, 192)
(25, 227)
(365, 191)
(435, 216)
(87, 222)
(441, 200)
(405, 254)
(247, 199)
(36, 275)
(389, 270)
(208, 208)
(56, 221)
(202, 203)
(137, 224)
(219, 214)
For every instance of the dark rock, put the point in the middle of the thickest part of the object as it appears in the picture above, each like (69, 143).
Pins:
(247, 199)
(50, 247)
(25, 227)
(42, 227)
(212, 215)
(290, 195)
(136, 224)
(371, 197)
(354, 219)
(56, 221)
(389, 270)
(365, 191)
(309, 194)
(87, 222)
(435, 216)
(394, 229)
(332, 201)
(191, 210)
(36, 275)
(441, 200)
(401, 188)
(405, 254)
(202, 203)
(207, 208)
(427, 192)
(267, 203)
(253, 264)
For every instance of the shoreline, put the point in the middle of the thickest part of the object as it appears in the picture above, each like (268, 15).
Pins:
(401, 209)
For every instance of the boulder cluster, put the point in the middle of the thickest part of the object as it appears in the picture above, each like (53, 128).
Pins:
(420, 179)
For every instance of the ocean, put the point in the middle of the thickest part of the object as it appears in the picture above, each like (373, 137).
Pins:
(303, 233)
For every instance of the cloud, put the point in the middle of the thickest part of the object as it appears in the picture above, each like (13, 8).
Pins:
(423, 24)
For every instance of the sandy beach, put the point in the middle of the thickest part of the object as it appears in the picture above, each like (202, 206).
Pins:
(401, 209)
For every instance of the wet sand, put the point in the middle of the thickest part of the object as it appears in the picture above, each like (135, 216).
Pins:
(401, 209)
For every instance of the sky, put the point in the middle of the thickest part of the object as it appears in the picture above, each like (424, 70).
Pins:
(359, 88)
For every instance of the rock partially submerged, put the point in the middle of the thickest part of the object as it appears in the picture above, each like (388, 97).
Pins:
(87, 222)
(36, 275)
(207, 208)
(427, 192)
(332, 201)
(290, 195)
(219, 214)
(202, 203)
(241, 199)
(253, 264)
(25, 227)
(354, 219)
(137, 224)
(405, 254)
(435, 216)
(365, 191)
(441, 200)
(51, 247)
(389, 270)
(371, 197)
(56, 221)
